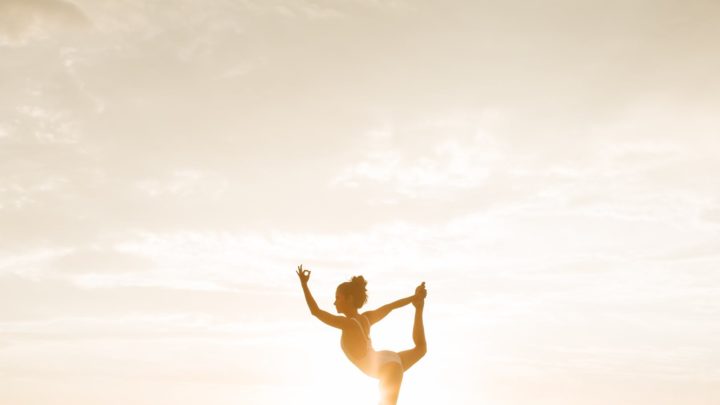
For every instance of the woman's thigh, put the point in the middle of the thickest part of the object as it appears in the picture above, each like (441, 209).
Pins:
(391, 375)
(410, 357)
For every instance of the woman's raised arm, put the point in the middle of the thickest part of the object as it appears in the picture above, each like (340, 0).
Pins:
(380, 313)
(333, 320)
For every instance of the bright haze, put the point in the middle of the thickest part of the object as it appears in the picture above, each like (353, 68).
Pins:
(548, 168)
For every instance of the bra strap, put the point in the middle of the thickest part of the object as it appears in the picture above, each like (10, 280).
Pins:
(361, 327)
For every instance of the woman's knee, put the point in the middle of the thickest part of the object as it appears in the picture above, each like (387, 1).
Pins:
(421, 349)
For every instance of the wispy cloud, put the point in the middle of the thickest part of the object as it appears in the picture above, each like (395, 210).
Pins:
(429, 161)
(24, 21)
(546, 169)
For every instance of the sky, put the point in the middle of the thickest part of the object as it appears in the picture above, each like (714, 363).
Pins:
(548, 168)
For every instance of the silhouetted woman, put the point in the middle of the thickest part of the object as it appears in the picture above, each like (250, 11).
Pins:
(385, 365)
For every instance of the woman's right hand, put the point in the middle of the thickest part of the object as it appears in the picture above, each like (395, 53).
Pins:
(304, 275)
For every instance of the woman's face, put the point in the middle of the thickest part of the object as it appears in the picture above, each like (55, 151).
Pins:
(341, 302)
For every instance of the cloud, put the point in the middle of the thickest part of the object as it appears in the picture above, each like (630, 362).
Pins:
(293, 8)
(24, 21)
(62, 296)
(146, 326)
(29, 263)
(633, 167)
(186, 183)
(100, 260)
(430, 160)
(47, 126)
(114, 347)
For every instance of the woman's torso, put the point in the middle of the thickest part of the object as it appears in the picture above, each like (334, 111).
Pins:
(355, 340)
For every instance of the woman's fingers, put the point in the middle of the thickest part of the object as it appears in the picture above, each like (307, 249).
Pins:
(304, 274)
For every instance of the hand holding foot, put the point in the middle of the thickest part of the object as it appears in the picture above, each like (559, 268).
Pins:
(420, 294)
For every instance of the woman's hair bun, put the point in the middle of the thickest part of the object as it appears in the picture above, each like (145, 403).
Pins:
(359, 280)
(356, 287)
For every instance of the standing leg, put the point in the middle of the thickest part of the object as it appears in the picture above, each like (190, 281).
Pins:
(391, 376)
(410, 357)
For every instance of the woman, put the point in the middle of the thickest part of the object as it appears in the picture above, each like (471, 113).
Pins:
(387, 366)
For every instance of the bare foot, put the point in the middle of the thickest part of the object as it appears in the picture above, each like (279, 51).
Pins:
(419, 298)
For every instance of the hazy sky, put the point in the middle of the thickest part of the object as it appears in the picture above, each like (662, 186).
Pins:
(549, 168)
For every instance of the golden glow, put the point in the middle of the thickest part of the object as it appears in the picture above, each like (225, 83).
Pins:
(549, 169)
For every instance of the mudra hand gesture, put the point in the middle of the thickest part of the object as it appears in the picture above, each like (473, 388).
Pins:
(303, 274)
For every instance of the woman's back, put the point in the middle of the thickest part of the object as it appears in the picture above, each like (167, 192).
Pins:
(355, 340)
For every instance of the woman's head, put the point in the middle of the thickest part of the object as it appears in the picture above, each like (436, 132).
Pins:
(351, 295)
